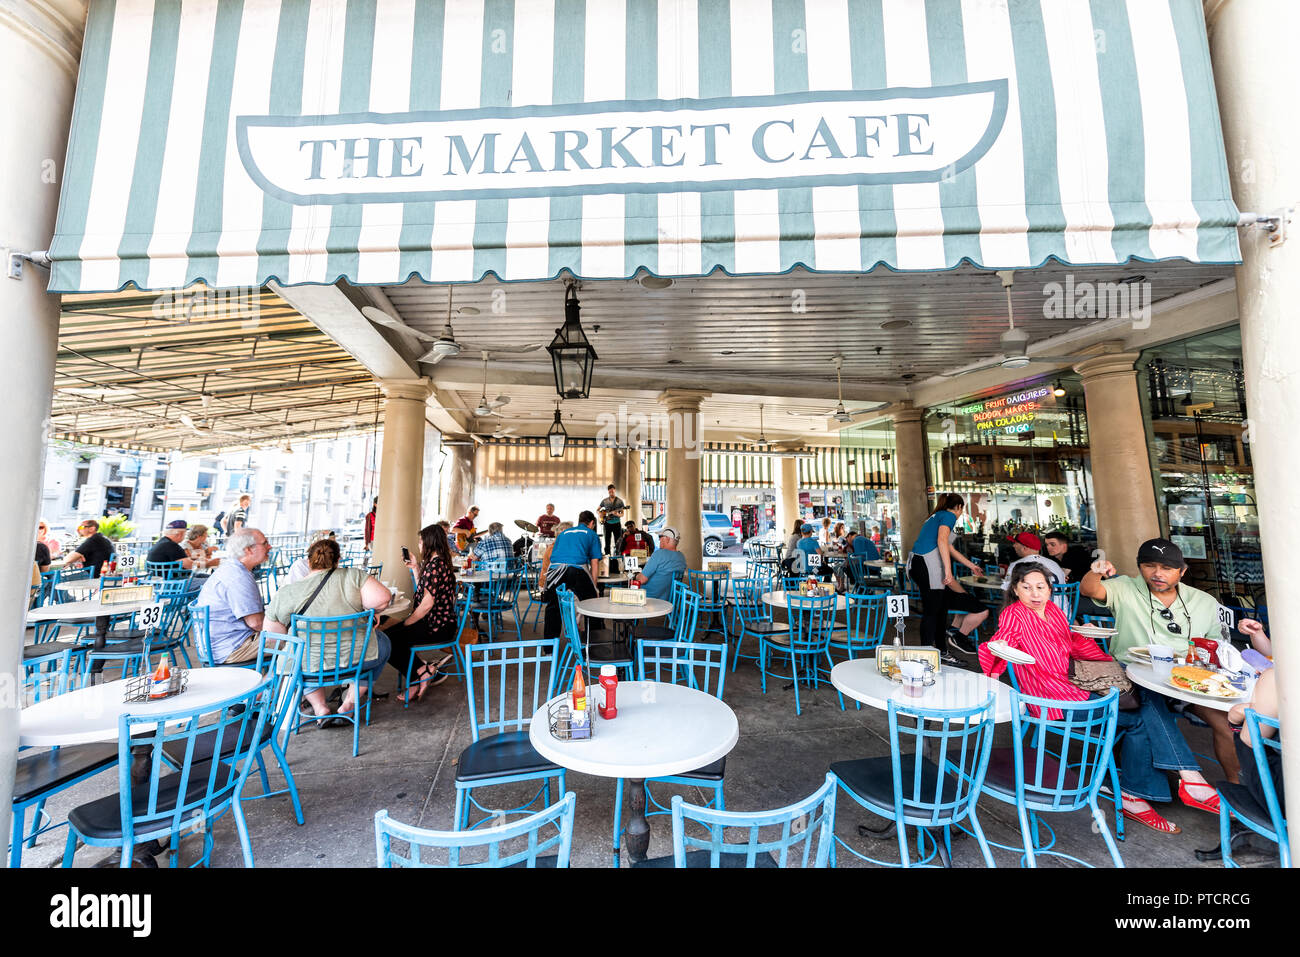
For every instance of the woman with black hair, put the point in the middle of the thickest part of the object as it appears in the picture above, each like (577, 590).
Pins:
(930, 567)
(433, 622)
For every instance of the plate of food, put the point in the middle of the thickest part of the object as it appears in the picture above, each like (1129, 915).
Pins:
(1140, 653)
(1094, 631)
(1013, 655)
(1203, 681)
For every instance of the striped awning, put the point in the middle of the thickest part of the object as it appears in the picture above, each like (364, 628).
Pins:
(237, 141)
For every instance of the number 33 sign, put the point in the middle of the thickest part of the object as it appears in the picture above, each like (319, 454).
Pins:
(151, 616)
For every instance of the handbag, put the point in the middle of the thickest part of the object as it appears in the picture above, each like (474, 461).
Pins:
(1100, 677)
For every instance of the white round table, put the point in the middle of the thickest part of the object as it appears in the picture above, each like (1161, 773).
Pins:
(91, 714)
(612, 579)
(777, 598)
(661, 729)
(993, 584)
(1142, 674)
(86, 610)
(80, 589)
(473, 578)
(606, 608)
(953, 688)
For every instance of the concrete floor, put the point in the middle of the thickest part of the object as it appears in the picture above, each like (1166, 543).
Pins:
(408, 758)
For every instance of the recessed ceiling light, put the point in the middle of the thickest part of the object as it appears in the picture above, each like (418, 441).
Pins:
(467, 311)
(896, 324)
(655, 282)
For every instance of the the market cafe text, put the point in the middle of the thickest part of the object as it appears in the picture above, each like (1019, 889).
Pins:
(1008, 414)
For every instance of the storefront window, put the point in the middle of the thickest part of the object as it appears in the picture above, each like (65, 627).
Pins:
(1194, 403)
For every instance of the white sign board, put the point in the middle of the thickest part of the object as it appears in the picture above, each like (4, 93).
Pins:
(897, 606)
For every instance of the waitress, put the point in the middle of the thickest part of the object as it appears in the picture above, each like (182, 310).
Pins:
(573, 561)
(930, 566)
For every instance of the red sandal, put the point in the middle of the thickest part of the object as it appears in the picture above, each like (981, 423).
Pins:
(1153, 820)
(1211, 805)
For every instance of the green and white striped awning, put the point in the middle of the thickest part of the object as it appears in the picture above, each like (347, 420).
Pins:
(237, 141)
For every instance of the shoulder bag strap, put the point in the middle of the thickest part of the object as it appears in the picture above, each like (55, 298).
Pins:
(307, 603)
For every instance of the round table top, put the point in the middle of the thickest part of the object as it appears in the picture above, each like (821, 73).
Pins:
(660, 729)
(1141, 674)
(473, 578)
(953, 688)
(86, 587)
(85, 610)
(90, 714)
(401, 605)
(993, 584)
(611, 579)
(606, 608)
(778, 598)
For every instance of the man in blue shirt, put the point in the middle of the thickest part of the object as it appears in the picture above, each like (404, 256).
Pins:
(863, 547)
(657, 574)
(806, 546)
(573, 561)
(233, 599)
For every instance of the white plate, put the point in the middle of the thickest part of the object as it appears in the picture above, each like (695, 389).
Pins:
(1140, 653)
(1013, 655)
(1094, 631)
(1208, 697)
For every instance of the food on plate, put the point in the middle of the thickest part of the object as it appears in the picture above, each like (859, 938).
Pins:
(1202, 681)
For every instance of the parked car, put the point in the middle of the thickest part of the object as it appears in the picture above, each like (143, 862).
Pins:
(716, 531)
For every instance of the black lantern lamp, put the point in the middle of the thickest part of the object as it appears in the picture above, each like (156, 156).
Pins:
(571, 353)
(556, 437)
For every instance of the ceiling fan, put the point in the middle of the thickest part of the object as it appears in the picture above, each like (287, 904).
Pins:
(1014, 342)
(486, 407)
(839, 413)
(444, 346)
(190, 424)
(762, 441)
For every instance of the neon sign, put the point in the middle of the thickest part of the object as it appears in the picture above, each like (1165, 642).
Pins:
(1008, 414)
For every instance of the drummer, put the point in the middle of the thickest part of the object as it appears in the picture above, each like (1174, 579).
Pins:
(546, 523)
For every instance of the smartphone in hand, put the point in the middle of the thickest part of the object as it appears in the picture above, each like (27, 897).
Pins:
(406, 554)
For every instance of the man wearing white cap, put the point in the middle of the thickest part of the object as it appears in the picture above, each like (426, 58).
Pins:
(665, 564)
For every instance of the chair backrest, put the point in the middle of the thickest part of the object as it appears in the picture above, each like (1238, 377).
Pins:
(199, 633)
(350, 636)
(1061, 763)
(867, 615)
(707, 584)
(1259, 746)
(510, 845)
(376, 570)
(171, 592)
(748, 595)
(165, 570)
(960, 741)
(279, 657)
(45, 590)
(504, 578)
(696, 665)
(812, 618)
(204, 787)
(1067, 595)
(687, 608)
(805, 828)
(45, 676)
(499, 677)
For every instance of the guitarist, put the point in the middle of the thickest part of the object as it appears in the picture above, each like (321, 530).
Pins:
(611, 519)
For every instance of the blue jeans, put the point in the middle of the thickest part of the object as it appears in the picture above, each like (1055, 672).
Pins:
(371, 667)
(1150, 744)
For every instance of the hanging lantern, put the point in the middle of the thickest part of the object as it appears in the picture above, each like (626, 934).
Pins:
(571, 353)
(556, 437)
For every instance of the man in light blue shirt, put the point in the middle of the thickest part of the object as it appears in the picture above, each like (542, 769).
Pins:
(233, 600)
(656, 576)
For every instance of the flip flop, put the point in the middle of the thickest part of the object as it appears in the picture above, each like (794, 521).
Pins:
(1153, 820)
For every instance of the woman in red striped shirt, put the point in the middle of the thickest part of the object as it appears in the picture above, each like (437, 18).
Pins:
(1032, 623)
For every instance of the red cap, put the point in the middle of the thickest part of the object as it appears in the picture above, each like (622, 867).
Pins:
(1028, 539)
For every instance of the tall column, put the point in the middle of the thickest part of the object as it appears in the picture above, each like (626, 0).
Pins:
(401, 476)
(910, 450)
(633, 494)
(1123, 493)
(685, 512)
(787, 495)
(40, 46)
(458, 486)
(619, 478)
(1257, 104)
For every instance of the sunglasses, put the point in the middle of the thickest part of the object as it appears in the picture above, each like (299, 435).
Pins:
(1172, 626)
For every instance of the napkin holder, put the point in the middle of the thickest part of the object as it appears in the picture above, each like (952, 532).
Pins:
(815, 591)
(888, 657)
(627, 596)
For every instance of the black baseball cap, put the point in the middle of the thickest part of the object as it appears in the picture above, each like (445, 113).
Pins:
(1161, 551)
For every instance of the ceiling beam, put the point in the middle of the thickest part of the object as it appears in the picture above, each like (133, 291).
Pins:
(336, 311)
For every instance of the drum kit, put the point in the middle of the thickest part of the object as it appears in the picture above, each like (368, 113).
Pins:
(530, 533)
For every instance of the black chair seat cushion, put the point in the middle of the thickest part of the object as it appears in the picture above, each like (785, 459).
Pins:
(766, 628)
(50, 770)
(610, 653)
(710, 772)
(872, 780)
(134, 646)
(1001, 775)
(51, 648)
(1244, 805)
(205, 743)
(700, 859)
(500, 754)
(656, 633)
(127, 634)
(102, 819)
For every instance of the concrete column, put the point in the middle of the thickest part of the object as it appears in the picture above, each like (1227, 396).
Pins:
(910, 452)
(1124, 498)
(633, 494)
(786, 475)
(1257, 104)
(685, 512)
(619, 478)
(401, 476)
(458, 483)
(40, 46)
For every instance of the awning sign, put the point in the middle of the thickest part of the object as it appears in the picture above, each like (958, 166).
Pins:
(823, 139)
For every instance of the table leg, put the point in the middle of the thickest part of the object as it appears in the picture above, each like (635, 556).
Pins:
(638, 827)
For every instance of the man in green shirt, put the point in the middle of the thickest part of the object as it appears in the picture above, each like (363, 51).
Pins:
(1155, 609)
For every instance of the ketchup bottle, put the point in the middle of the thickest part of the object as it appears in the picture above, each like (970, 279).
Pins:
(609, 681)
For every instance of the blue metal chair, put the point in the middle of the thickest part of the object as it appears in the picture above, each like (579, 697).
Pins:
(45, 591)
(505, 755)
(1055, 766)
(350, 635)
(1235, 800)
(461, 611)
(1104, 621)
(867, 616)
(39, 777)
(755, 616)
(500, 595)
(992, 569)
(1070, 595)
(600, 654)
(165, 571)
(711, 587)
(917, 791)
(493, 840)
(189, 800)
(533, 585)
(670, 630)
(806, 835)
(811, 619)
(375, 570)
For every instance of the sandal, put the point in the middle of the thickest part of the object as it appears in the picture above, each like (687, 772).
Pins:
(1153, 820)
(1211, 804)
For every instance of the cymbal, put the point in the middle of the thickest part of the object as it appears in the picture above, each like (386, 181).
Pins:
(526, 526)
